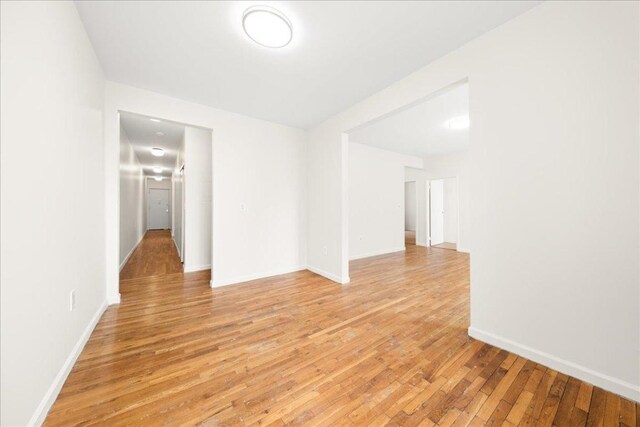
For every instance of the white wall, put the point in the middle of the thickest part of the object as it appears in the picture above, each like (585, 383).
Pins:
(553, 154)
(197, 199)
(376, 200)
(410, 205)
(448, 166)
(52, 210)
(177, 180)
(257, 164)
(422, 214)
(450, 226)
(133, 217)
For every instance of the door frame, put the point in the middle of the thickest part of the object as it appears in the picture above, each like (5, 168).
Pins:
(429, 208)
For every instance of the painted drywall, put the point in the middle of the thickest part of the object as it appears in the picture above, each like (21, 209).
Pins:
(177, 179)
(133, 218)
(52, 210)
(376, 200)
(422, 214)
(410, 205)
(256, 164)
(553, 154)
(197, 199)
(454, 165)
(450, 210)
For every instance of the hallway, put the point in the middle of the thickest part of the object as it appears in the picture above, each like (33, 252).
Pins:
(389, 348)
(155, 255)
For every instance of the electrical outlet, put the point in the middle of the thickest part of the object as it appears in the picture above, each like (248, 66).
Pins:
(325, 251)
(72, 300)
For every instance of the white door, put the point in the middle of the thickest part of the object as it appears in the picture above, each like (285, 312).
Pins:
(158, 208)
(436, 204)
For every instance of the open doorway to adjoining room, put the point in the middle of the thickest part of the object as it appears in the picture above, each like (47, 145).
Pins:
(408, 175)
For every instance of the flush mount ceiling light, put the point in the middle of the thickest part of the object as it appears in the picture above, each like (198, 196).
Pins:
(459, 122)
(159, 133)
(267, 26)
(157, 178)
(155, 120)
(158, 152)
(157, 170)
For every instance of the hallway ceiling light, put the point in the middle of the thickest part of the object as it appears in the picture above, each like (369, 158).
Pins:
(157, 170)
(267, 26)
(159, 133)
(155, 120)
(157, 178)
(158, 152)
(459, 122)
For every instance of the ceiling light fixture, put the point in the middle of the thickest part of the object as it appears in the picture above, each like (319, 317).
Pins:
(157, 178)
(267, 26)
(159, 133)
(459, 122)
(158, 152)
(157, 170)
(155, 120)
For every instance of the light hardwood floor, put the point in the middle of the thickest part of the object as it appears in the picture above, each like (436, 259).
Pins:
(389, 348)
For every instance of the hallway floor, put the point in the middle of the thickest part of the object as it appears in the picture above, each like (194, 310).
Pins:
(389, 348)
(155, 255)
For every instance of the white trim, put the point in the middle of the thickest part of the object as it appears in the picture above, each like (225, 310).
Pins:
(178, 249)
(52, 393)
(193, 268)
(615, 385)
(114, 299)
(376, 253)
(249, 277)
(330, 276)
(124, 262)
(465, 250)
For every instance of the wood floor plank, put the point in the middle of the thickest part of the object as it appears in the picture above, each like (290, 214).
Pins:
(390, 348)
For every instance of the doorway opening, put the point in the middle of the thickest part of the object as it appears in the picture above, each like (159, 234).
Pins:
(443, 213)
(410, 212)
(393, 161)
(165, 198)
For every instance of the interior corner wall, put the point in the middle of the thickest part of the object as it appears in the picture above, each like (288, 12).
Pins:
(197, 199)
(449, 166)
(376, 200)
(450, 203)
(133, 217)
(553, 154)
(52, 210)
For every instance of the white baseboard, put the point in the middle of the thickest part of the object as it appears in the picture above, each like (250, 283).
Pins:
(193, 268)
(615, 385)
(50, 396)
(113, 299)
(124, 262)
(376, 253)
(177, 249)
(330, 276)
(465, 250)
(248, 277)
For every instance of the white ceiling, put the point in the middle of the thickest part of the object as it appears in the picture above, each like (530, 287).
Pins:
(420, 130)
(341, 52)
(142, 135)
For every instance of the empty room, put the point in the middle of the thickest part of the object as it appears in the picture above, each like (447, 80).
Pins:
(403, 213)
